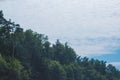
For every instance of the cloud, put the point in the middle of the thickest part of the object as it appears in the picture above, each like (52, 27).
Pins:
(2, 0)
(94, 46)
(91, 27)
(114, 63)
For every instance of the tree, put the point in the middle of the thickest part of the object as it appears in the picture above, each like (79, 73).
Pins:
(28, 55)
(56, 71)
(11, 69)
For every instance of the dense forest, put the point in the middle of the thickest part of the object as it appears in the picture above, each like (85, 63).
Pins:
(28, 55)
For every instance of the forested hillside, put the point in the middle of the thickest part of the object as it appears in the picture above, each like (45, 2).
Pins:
(27, 55)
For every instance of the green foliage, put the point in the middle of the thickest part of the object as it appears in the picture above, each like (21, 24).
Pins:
(3, 68)
(63, 53)
(56, 71)
(11, 69)
(27, 55)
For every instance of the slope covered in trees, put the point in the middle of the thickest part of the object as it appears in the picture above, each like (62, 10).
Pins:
(27, 55)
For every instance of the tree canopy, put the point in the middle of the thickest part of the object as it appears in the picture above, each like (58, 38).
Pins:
(28, 55)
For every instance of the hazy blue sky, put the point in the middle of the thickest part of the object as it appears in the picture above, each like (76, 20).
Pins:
(91, 27)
